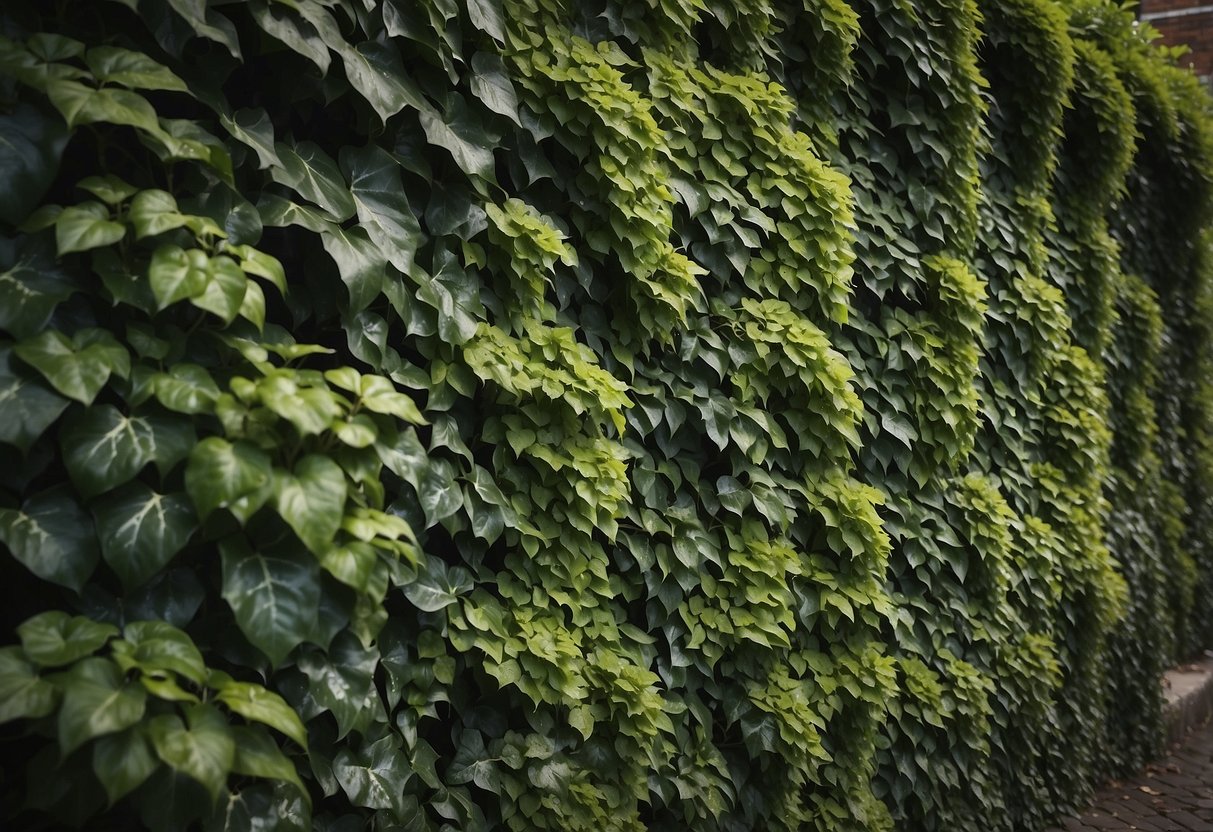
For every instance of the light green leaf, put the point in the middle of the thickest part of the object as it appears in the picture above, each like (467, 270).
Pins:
(82, 104)
(274, 595)
(154, 212)
(96, 701)
(23, 693)
(315, 177)
(131, 69)
(225, 288)
(383, 208)
(205, 750)
(122, 762)
(108, 188)
(77, 367)
(186, 388)
(156, 646)
(54, 638)
(220, 473)
(176, 274)
(28, 407)
(86, 226)
(312, 500)
(260, 705)
(53, 537)
(140, 531)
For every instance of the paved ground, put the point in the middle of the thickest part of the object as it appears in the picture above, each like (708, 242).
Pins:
(1174, 794)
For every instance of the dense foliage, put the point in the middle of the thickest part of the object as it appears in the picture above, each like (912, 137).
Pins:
(608, 415)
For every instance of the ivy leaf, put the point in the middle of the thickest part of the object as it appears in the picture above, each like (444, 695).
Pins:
(158, 645)
(103, 449)
(154, 212)
(274, 595)
(77, 367)
(204, 751)
(28, 407)
(473, 764)
(108, 188)
(383, 208)
(131, 69)
(296, 33)
(96, 701)
(253, 127)
(208, 24)
(29, 158)
(487, 17)
(140, 530)
(257, 755)
(220, 472)
(342, 681)
(260, 705)
(54, 638)
(438, 492)
(23, 693)
(186, 388)
(361, 264)
(225, 288)
(374, 775)
(53, 537)
(437, 586)
(462, 135)
(492, 86)
(176, 274)
(86, 226)
(312, 500)
(29, 292)
(377, 72)
(122, 762)
(315, 177)
(456, 299)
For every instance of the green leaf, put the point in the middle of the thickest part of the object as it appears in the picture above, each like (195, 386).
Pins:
(86, 226)
(220, 472)
(31, 144)
(131, 69)
(29, 292)
(156, 646)
(315, 177)
(204, 751)
(460, 133)
(225, 288)
(487, 17)
(260, 705)
(312, 500)
(186, 388)
(28, 407)
(140, 531)
(103, 449)
(23, 693)
(361, 264)
(108, 188)
(293, 31)
(311, 410)
(54, 638)
(80, 104)
(492, 86)
(77, 367)
(96, 701)
(374, 775)
(437, 587)
(343, 681)
(377, 394)
(122, 762)
(275, 596)
(254, 128)
(53, 537)
(208, 24)
(176, 274)
(383, 208)
(457, 300)
(377, 72)
(257, 755)
(438, 492)
(154, 212)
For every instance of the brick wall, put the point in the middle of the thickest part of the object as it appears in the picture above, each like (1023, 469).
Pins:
(1187, 22)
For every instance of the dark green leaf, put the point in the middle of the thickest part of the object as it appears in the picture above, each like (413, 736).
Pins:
(275, 596)
(140, 530)
(23, 693)
(122, 762)
(29, 408)
(312, 500)
(53, 537)
(220, 472)
(31, 144)
(315, 177)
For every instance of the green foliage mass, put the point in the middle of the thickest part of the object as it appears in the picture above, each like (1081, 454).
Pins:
(608, 415)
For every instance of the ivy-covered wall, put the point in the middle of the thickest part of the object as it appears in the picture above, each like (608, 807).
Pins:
(611, 415)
